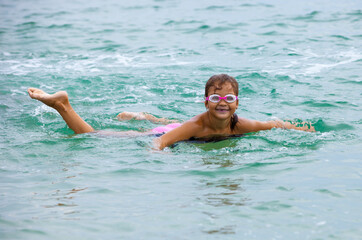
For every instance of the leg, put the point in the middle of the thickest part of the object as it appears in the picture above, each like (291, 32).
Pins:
(123, 134)
(143, 116)
(60, 102)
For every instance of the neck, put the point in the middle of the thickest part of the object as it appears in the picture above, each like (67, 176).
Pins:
(218, 124)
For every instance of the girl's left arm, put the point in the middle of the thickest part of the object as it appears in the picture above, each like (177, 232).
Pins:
(246, 126)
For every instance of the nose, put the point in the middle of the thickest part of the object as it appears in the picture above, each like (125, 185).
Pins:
(223, 102)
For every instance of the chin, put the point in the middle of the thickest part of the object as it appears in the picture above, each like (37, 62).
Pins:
(224, 115)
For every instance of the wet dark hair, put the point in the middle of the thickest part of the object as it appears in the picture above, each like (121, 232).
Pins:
(218, 80)
(234, 121)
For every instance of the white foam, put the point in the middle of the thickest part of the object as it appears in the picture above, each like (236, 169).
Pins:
(93, 99)
(95, 70)
(43, 108)
(318, 67)
(15, 92)
(93, 63)
(312, 63)
(321, 223)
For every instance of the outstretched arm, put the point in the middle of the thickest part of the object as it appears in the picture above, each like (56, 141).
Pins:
(246, 125)
(60, 102)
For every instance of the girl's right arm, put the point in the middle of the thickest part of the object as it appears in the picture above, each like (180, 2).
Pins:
(181, 133)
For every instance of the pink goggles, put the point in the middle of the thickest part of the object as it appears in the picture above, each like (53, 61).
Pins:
(215, 98)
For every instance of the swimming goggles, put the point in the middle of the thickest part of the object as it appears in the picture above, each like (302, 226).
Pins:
(215, 98)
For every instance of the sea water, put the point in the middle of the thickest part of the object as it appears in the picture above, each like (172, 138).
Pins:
(294, 60)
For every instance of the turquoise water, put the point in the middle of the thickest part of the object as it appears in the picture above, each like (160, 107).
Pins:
(294, 60)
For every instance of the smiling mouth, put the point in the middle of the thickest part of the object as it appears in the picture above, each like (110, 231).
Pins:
(222, 110)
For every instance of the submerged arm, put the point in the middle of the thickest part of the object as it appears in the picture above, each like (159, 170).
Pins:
(287, 125)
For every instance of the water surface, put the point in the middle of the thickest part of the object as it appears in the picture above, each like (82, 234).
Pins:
(296, 60)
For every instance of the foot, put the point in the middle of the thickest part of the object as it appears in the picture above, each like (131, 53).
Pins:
(57, 100)
(131, 115)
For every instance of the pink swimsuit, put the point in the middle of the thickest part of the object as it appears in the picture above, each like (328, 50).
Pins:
(167, 128)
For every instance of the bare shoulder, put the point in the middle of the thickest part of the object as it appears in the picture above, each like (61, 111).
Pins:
(198, 119)
(246, 122)
(194, 125)
(243, 125)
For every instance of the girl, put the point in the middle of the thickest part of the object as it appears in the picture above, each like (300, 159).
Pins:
(219, 121)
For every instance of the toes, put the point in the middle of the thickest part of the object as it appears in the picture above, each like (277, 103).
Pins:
(125, 116)
(122, 116)
(30, 91)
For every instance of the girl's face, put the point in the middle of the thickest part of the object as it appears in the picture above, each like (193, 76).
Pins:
(222, 110)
